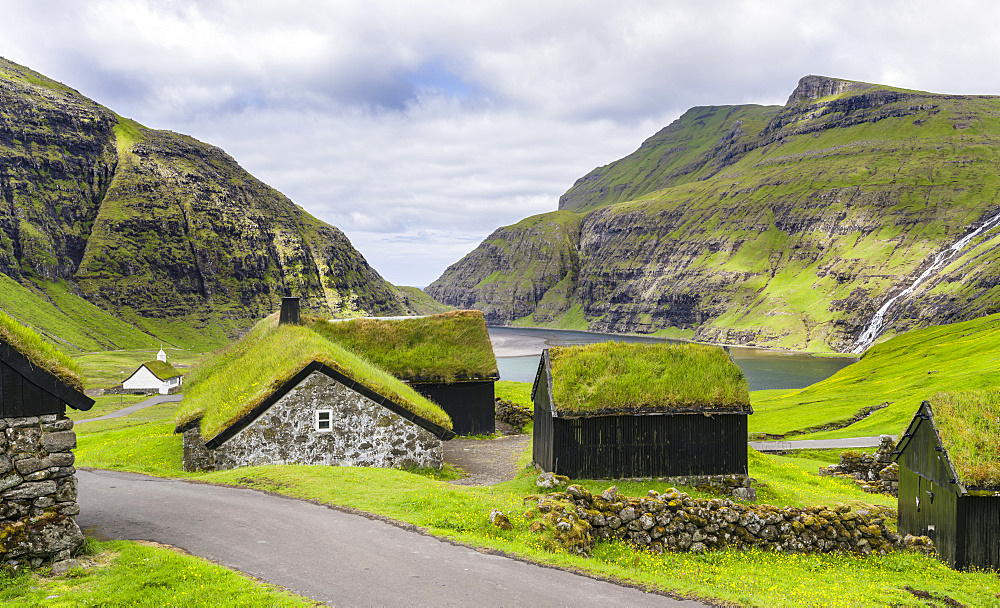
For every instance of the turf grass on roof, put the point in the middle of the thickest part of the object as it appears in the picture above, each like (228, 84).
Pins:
(30, 344)
(234, 380)
(968, 423)
(620, 377)
(438, 348)
(162, 369)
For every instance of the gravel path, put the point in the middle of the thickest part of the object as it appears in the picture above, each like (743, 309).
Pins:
(487, 461)
(816, 444)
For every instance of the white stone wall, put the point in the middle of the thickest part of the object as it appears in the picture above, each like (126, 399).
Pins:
(364, 433)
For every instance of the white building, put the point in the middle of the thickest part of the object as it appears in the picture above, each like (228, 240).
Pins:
(157, 376)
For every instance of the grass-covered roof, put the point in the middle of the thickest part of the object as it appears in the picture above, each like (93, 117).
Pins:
(620, 377)
(234, 380)
(27, 342)
(968, 423)
(438, 348)
(162, 369)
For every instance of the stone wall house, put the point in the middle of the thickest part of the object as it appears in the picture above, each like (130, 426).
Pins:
(154, 376)
(38, 487)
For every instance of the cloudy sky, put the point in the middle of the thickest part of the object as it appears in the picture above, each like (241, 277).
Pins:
(420, 127)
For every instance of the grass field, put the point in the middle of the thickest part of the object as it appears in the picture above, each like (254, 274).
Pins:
(903, 371)
(122, 573)
(144, 442)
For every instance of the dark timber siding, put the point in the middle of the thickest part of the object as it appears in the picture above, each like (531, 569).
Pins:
(981, 515)
(965, 528)
(649, 445)
(541, 447)
(20, 397)
(469, 404)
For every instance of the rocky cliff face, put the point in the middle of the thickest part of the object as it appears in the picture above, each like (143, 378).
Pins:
(156, 225)
(784, 226)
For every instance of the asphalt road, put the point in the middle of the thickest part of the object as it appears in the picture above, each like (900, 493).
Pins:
(325, 554)
(816, 444)
(125, 411)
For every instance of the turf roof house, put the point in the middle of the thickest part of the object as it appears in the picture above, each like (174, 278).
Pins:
(949, 477)
(286, 395)
(616, 410)
(38, 488)
(157, 375)
(446, 357)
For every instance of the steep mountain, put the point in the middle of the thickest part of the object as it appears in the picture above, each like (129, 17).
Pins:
(156, 227)
(782, 225)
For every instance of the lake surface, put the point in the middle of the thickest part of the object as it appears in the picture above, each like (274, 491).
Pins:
(518, 350)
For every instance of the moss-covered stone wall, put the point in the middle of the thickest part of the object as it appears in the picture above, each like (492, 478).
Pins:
(38, 491)
(362, 433)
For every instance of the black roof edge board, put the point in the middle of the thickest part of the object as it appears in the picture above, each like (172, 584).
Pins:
(44, 379)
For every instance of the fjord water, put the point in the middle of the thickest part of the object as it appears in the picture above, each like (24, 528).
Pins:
(518, 350)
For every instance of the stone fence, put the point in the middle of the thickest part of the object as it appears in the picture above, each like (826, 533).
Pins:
(38, 492)
(674, 521)
(872, 472)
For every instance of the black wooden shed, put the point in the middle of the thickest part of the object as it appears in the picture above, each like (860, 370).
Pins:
(941, 499)
(647, 438)
(446, 357)
(27, 389)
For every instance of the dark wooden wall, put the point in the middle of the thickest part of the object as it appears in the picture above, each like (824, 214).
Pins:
(649, 445)
(542, 446)
(20, 396)
(965, 528)
(470, 405)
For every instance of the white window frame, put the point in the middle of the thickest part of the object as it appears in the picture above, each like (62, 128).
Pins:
(329, 420)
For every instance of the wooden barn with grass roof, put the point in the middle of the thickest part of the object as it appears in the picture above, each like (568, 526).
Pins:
(949, 477)
(618, 410)
(446, 357)
(285, 394)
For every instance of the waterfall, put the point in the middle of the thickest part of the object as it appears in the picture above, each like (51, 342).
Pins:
(875, 325)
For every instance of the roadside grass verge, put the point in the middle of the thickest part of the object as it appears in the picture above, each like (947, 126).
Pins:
(144, 442)
(125, 573)
(904, 370)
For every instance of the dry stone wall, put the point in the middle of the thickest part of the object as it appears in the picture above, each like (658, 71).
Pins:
(38, 491)
(363, 433)
(675, 521)
(872, 472)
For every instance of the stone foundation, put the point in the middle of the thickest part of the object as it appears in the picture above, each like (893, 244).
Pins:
(38, 491)
(676, 522)
(364, 434)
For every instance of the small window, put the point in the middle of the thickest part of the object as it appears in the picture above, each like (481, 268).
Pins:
(324, 420)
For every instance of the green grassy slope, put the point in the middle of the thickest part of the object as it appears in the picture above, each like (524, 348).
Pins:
(783, 226)
(165, 232)
(903, 371)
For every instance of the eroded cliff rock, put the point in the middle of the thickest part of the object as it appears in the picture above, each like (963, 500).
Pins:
(782, 226)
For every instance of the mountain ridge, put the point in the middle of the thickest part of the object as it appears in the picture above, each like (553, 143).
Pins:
(782, 226)
(156, 226)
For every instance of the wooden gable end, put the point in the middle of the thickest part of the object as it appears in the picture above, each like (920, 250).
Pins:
(921, 452)
(28, 390)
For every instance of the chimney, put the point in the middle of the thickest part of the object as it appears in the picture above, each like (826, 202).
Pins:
(289, 311)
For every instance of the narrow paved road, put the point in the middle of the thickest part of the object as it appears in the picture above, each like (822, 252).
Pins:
(325, 554)
(125, 411)
(816, 444)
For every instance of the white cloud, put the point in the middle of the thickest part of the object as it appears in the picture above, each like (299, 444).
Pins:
(420, 127)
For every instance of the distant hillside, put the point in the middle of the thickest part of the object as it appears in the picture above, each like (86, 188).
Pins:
(162, 231)
(781, 225)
